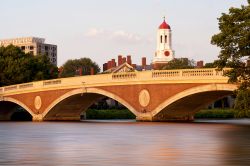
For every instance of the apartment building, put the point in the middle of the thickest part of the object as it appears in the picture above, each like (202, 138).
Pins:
(34, 46)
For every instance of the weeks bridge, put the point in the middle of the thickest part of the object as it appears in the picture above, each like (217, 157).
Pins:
(150, 95)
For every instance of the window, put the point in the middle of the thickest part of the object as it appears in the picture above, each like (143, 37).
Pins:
(161, 38)
(31, 47)
(23, 47)
(165, 38)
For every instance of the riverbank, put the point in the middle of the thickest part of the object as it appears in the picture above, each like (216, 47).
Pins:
(110, 114)
(126, 114)
(217, 113)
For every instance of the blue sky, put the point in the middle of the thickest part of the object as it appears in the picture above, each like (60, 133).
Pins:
(101, 30)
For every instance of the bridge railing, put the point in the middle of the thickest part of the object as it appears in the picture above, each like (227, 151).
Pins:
(106, 79)
(52, 82)
(120, 76)
(211, 72)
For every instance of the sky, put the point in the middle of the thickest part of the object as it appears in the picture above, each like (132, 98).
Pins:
(104, 29)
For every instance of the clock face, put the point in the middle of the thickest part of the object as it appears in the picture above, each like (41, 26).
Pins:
(166, 53)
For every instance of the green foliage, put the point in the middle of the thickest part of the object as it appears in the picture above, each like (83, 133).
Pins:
(179, 63)
(242, 103)
(234, 41)
(216, 113)
(109, 114)
(17, 67)
(211, 65)
(71, 67)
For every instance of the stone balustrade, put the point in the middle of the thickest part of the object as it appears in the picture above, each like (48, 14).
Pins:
(28, 85)
(52, 82)
(9, 88)
(123, 76)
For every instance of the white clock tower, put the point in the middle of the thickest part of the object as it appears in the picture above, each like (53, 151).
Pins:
(164, 52)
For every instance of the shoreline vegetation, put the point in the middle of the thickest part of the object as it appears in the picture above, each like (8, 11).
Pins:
(217, 113)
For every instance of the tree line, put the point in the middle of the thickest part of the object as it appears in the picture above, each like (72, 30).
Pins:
(18, 67)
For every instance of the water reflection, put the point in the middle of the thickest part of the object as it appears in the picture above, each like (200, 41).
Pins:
(237, 145)
(123, 143)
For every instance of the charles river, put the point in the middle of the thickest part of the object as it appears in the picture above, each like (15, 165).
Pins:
(115, 143)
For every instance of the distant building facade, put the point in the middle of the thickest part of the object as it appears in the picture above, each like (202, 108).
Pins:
(34, 46)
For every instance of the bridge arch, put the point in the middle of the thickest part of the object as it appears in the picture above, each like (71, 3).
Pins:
(216, 91)
(85, 91)
(17, 102)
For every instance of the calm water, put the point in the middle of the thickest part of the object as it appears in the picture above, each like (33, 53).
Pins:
(125, 143)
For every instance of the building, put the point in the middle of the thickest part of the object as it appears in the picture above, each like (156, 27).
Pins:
(164, 52)
(34, 46)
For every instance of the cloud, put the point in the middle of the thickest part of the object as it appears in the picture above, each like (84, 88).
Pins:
(114, 35)
(94, 32)
(123, 35)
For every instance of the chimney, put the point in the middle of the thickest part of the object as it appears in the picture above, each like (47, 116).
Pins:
(113, 63)
(105, 66)
(119, 60)
(144, 62)
(129, 60)
(80, 71)
(109, 64)
(199, 64)
(123, 59)
(92, 71)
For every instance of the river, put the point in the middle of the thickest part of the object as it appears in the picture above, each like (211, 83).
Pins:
(125, 143)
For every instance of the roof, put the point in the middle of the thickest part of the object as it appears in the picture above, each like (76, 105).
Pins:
(164, 25)
(125, 67)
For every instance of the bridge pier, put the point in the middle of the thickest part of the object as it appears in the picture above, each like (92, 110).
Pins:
(37, 118)
(144, 117)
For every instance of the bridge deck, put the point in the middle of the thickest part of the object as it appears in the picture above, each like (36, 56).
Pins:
(204, 75)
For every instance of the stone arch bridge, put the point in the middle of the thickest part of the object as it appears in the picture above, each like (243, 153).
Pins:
(150, 95)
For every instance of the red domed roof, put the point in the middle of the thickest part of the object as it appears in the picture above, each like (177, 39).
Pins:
(164, 25)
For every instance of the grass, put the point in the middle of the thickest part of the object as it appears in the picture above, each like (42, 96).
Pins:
(216, 113)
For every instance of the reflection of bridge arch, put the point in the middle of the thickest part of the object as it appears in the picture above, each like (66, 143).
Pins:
(199, 97)
(82, 92)
(9, 112)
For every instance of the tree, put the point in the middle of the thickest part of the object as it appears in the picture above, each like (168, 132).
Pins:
(212, 64)
(17, 67)
(242, 104)
(179, 63)
(77, 66)
(234, 41)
